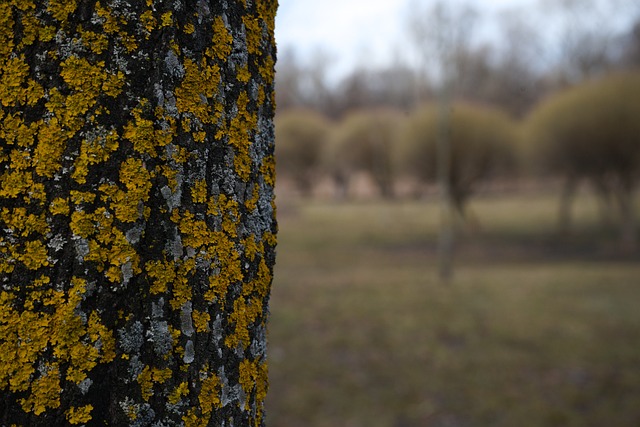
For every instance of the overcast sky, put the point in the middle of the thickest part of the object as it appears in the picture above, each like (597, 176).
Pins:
(355, 31)
(371, 32)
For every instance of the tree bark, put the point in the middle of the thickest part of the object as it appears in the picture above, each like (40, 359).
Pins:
(137, 223)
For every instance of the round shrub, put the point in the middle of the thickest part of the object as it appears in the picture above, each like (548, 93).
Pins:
(301, 136)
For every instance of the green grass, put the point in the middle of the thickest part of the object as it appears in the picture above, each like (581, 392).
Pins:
(534, 330)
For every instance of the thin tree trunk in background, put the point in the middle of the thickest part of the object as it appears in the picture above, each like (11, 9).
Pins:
(628, 227)
(566, 199)
(138, 229)
(446, 236)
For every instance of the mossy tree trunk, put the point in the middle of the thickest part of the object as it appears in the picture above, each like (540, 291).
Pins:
(137, 221)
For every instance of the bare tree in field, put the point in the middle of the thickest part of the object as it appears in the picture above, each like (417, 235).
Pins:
(439, 33)
(137, 227)
(590, 132)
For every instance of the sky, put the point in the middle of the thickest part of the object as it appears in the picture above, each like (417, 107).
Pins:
(352, 33)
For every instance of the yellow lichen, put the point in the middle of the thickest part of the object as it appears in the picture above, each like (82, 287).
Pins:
(189, 28)
(87, 82)
(253, 375)
(127, 204)
(45, 392)
(79, 415)
(61, 9)
(148, 21)
(200, 80)
(209, 397)
(243, 316)
(162, 273)
(252, 203)
(79, 197)
(222, 44)
(244, 75)
(34, 255)
(250, 247)
(30, 30)
(15, 86)
(268, 170)
(82, 224)
(201, 320)
(51, 146)
(266, 68)
(199, 191)
(109, 247)
(142, 133)
(182, 292)
(146, 385)
(96, 42)
(115, 24)
(239, 134)
(22, 223)
(160, 376)
(93, 151)
(166, 20)
(176, 395)
(253, 34)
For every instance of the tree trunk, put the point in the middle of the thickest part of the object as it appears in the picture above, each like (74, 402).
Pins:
(446, 235)
(628, 227)
(137, 222)
(564, 213)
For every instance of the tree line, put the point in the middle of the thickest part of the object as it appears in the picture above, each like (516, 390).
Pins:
(532, 105)
(586, 132)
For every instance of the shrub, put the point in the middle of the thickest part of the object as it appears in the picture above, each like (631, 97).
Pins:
(301, 137)
(592, 132)
(481, 146)
(365, 142)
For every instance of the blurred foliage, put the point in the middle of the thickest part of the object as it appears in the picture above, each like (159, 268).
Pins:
(301, 137)
(481, 140)
(592, 131)
(589, 131)
(365, 141)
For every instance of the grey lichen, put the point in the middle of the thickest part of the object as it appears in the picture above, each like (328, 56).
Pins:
(189, 352)
(57, 243)
(228, 393)
(157, 309)
(160, 336)
(82, 248)
(186, 321)
(173, 65)
(85, 385)
(135, 367)
(131, 338)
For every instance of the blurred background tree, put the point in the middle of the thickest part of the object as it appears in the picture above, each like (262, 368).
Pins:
(517, 72)
(302, 136)
(482, 147)
(592, 132)
(366, 142)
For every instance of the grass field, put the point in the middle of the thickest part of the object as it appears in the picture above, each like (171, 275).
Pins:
(534, 330)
